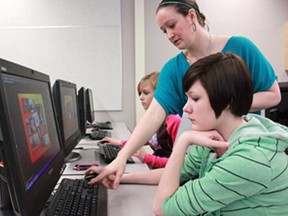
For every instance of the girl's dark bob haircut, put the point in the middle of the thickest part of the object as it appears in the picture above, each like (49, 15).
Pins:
(227, 81)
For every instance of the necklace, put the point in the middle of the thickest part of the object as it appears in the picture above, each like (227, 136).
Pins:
(192, 59)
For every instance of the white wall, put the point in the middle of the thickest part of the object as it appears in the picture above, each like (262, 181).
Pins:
(71, 40)
(263, 21)
(127, 114)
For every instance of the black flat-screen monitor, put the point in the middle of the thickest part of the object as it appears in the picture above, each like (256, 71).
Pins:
(279, 113)
(65, 98)
(82, 110)
(89, 105)
(29, 138)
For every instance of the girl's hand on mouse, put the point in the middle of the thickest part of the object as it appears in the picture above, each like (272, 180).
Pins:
(111, 141)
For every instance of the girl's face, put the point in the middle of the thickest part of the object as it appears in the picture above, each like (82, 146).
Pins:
(199, 109)
(177, 27)
(146, 94)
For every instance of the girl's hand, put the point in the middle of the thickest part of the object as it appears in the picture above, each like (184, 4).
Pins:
(140, 155)
(111, 141)
(211, 139)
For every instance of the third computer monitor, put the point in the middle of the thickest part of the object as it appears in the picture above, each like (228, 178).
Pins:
(89, 105)
(82, 110)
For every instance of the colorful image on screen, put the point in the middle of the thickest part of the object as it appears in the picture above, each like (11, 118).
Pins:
(69, 113)
(35, 124)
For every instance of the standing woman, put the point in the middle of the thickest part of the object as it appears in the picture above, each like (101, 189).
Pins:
(185, 27)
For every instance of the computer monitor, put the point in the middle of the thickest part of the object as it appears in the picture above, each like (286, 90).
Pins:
(82, 111)
(279, 113)
(65, 98)
(89, 106)
(29, 138)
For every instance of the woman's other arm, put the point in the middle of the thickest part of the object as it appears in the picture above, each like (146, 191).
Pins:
(266, 99)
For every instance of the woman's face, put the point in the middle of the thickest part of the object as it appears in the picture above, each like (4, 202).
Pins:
(146, 94)
(199, 109)
(177, 27)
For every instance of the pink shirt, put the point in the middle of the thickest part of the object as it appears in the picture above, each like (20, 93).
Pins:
(162, 142)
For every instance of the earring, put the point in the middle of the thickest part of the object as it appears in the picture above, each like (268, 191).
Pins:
(193, 26)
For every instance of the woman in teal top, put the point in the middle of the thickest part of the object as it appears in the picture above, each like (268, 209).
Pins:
(185, 27)
(170, 80)
(238, 165)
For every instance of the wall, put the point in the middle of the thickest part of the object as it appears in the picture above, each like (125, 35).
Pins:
(127, 114)
(263, 21)
(126, 84)
(70, 40)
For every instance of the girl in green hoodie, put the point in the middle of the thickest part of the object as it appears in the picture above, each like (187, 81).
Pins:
(237, 165)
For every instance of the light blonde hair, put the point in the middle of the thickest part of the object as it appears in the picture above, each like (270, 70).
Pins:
(152, 78)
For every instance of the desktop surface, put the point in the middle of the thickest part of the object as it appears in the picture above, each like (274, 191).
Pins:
(91, 154)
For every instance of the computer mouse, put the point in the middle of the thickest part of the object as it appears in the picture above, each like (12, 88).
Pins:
(90, 176)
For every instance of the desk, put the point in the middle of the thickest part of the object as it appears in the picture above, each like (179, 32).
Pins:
(90, 152)
(128, 199)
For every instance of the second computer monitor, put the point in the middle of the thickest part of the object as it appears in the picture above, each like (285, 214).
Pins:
(65, 96)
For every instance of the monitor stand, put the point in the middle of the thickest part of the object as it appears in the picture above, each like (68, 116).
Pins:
(72, 157)
(5, 201)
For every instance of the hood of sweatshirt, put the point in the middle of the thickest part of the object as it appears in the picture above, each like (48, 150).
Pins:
(273, 136)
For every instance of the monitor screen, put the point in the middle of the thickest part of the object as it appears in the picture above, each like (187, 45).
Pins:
(65, 97)
(82, 111)
(89, 105)
(30, 145)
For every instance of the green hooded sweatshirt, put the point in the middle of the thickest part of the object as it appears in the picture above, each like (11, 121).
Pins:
(251, 178)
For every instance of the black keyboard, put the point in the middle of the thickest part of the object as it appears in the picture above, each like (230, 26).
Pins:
(76, 197)
(101, 125)
(99, 134)
(109, 153)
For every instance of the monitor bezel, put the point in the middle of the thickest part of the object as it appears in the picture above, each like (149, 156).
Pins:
(69, 143)
(89, 105)
(23, 201)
